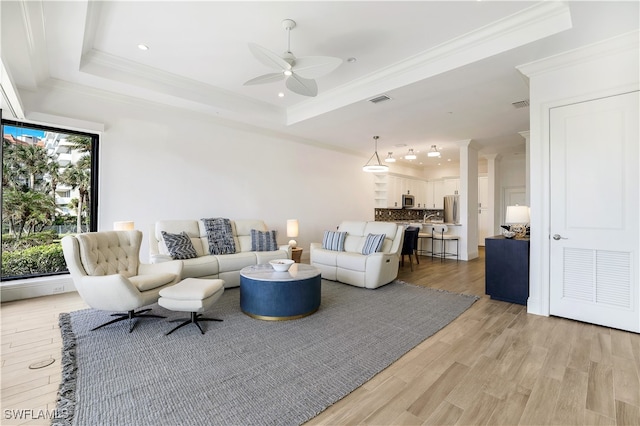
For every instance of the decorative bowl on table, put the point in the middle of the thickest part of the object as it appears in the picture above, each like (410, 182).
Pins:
(508, 234)
(281, 265)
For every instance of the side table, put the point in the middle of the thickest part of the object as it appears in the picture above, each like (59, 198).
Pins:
(296, 253)
(507, 269)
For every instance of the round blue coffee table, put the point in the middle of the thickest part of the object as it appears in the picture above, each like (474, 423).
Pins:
(275, 296)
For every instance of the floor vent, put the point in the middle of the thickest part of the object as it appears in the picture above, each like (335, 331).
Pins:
(521, 104)
(379, 99)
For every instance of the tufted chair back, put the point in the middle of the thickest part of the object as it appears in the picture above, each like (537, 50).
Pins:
(110, 252)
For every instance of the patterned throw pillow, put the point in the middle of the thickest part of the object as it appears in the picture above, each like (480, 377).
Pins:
(219, 235)
(179, 245)
(373, 243)
(333, 240)
(263, 240)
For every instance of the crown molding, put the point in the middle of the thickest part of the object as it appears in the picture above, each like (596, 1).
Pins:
(33, 23)
(628, 42)
(10, 96)
(120, 70)
(534, 23)
(177, 111)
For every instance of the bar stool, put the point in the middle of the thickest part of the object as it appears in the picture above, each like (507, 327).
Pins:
(422, 236)
(409, 245)
(438, 233)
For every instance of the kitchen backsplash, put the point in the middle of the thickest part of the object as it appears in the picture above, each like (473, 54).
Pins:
(401, 215)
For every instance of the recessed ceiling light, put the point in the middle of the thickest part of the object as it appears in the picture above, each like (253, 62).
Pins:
(281, 95)
(351, 60)
(143, 47)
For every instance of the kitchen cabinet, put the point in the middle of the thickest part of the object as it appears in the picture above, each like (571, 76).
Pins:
(507, 269)
(396, 186)
(394, 192)
(451, 186)
(435, 194)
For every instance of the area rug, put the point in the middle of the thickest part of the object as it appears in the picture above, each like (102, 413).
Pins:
(243, 371)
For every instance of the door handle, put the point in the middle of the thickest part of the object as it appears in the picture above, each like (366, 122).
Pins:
(559, 237)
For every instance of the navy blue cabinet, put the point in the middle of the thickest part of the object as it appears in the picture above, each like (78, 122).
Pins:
(507, 269)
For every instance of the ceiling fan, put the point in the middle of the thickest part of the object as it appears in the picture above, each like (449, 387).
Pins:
(298, 72)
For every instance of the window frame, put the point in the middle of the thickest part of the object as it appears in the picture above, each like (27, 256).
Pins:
(93, 181)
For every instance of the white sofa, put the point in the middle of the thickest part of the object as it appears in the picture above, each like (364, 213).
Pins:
(351, 266)
(223, 266)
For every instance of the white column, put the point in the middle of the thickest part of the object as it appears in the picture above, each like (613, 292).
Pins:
(493, 174)
(526, 135)
(469, 199)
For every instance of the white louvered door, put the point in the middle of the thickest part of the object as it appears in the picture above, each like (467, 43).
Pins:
(594, 230)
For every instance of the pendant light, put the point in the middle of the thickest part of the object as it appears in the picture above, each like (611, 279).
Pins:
(375, 167)
(410, 155)
(433, 152)
(390, 158)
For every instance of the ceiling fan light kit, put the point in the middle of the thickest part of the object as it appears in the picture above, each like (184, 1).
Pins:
(376, 166)
(299, 73)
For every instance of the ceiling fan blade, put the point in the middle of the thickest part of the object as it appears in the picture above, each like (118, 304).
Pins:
(267, 78)
(269, 58)
(315, 66)
(302, 86)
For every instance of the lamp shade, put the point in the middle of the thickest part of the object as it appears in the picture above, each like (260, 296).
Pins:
(292, 228)
(517, 214)
(292, 231)
(124, 225)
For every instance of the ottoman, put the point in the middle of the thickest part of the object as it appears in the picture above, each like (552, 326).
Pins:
(192, 295)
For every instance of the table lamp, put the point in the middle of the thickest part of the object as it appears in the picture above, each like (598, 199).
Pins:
(518, 217)
(292, 231)
(124, 225)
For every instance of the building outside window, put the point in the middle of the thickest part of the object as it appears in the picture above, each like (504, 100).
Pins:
(49, 189)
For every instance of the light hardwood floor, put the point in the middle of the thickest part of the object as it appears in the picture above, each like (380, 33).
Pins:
(495, 364)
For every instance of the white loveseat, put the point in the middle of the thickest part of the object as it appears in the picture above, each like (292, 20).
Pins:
(351, 266)
(221, 266)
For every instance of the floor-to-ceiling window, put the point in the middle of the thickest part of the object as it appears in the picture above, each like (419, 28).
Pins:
(49, 189)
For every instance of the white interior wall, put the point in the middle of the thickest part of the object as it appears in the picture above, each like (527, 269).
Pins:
(162, 163)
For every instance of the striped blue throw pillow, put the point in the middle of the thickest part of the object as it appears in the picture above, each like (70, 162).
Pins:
(263, 240)
(373, 243)
(333, 240)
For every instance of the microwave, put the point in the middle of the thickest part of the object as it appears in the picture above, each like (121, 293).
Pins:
(408, 201)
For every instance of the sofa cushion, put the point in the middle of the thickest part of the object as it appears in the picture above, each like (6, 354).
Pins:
(326, 257)
(175, 227)
(263, 240)
(242, 232)
(373, 243)
(219, 235)
(333, 240)
(203, 266)
(263, 257)
(352, 261)
(236, 261)
(179, 245)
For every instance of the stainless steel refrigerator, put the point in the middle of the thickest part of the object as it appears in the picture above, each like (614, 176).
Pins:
(452, 209)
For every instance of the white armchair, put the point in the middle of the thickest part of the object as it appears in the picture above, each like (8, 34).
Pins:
(106, 270)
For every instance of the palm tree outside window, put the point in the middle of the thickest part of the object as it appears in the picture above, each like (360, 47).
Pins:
(49, 189)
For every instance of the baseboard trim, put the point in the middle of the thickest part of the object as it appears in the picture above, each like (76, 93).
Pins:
(35, 287)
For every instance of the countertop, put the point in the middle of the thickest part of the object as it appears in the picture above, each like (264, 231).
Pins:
(427, 223)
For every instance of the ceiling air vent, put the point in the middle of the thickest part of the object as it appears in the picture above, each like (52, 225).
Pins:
(379, 99)
(521, 104)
